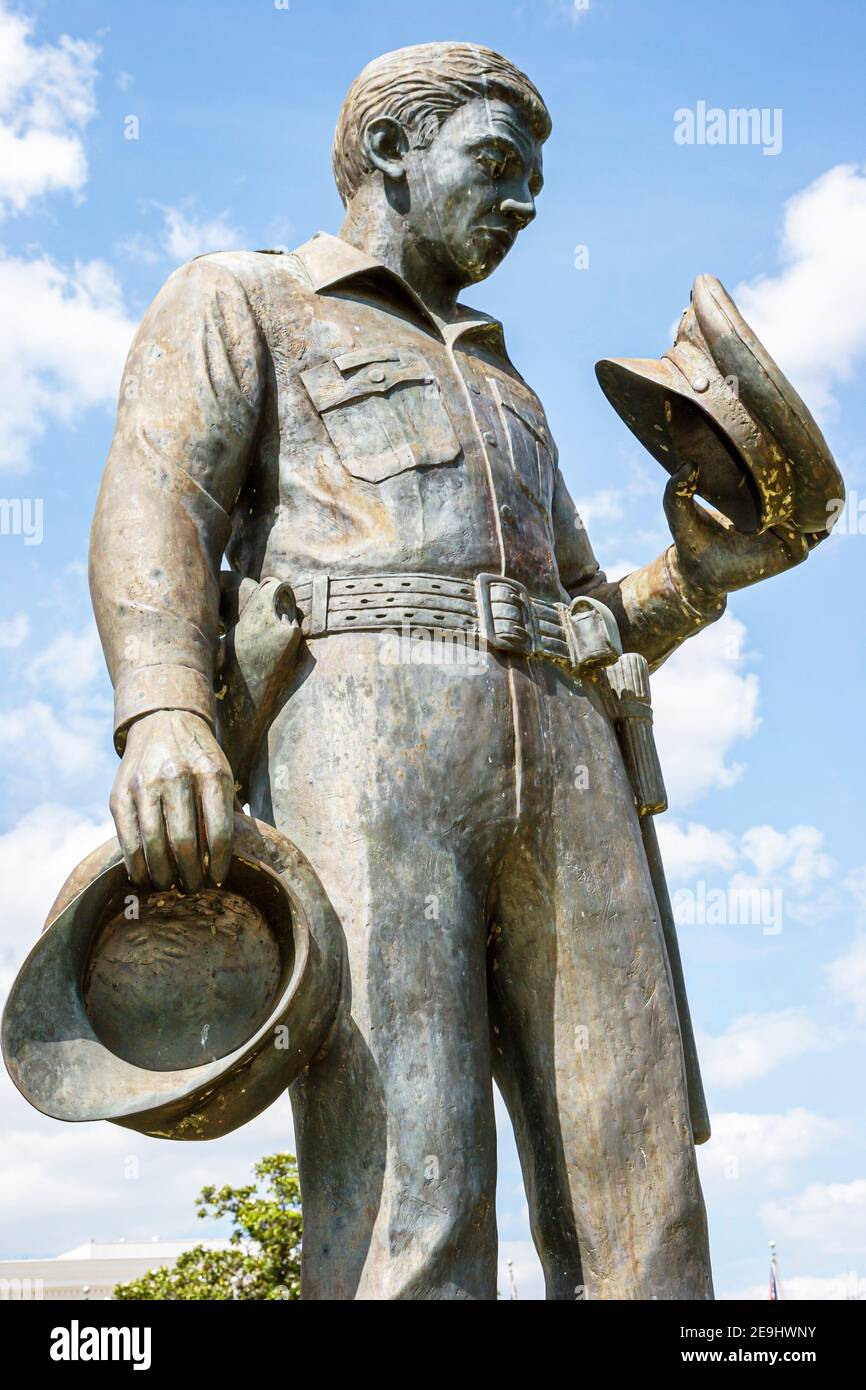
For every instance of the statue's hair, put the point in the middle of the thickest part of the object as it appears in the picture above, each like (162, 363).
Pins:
(420, 87)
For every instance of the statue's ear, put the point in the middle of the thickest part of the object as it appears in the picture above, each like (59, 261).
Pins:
(386, 145)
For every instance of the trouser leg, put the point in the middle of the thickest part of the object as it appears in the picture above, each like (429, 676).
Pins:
(587, 1047)
(382, 778)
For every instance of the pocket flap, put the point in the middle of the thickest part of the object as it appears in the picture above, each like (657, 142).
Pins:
(367, 372)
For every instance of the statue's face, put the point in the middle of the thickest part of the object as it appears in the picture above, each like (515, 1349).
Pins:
(473, 189)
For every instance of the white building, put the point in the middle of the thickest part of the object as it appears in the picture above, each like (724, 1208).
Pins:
(91, 1271)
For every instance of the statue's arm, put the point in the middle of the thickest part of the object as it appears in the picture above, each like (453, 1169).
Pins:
(187, 417)
(656, 606)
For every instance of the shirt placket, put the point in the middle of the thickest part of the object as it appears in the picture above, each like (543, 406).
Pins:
(485, 423)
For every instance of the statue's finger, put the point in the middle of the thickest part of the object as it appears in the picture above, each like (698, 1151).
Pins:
(181, 823)
(154, 840)
(217, 808)
(129, 837)
(681, 510)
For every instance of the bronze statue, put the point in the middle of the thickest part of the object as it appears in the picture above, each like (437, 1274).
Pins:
(475, 798)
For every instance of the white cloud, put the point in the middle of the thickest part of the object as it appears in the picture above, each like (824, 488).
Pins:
(704, 702)
(46, 99)
(567, 11)
(43, 750)
(797, 854)
(14, 631)
(65, 1184)
(855, 882)
(812, 314)
(792, 862)
(71, 662)
(64, 335)
(36, 857)
(828, 1217)
(753, 1044)
(756, 1151)
(847, 976)
(787, 874)
(608, 504)
(185, 235)
(689, 850)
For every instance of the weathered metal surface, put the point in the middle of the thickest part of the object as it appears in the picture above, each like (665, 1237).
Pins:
(718, 402)
(356, 439)
(125, 1018)
(206, 962)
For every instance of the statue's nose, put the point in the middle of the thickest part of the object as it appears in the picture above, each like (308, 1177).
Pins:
(521, 212)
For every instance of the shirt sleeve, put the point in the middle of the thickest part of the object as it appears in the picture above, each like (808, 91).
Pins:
(189, 406)
(655, 606)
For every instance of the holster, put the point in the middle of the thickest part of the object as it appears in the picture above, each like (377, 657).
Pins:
(630, 704)
(256, 656)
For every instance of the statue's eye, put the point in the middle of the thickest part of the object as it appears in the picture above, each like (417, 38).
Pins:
(493, 164)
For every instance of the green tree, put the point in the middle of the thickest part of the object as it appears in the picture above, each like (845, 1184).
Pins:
(263, 1260)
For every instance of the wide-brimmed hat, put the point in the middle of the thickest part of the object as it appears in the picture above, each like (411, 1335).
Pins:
(178, 1015)
(718, 400)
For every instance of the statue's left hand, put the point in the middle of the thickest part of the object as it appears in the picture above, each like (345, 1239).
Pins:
(713, 555)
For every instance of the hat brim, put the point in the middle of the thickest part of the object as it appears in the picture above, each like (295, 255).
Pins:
(60, 1065)
(654, 400)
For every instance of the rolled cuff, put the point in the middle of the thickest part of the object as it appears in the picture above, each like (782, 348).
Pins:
(152, 688)
(659, 608)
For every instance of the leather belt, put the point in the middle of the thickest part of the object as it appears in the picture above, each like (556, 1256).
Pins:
(496, 610)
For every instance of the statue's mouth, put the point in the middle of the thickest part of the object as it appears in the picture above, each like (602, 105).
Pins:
(503, 235)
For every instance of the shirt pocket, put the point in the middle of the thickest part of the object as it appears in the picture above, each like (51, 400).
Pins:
(530, 448)
(383, 411)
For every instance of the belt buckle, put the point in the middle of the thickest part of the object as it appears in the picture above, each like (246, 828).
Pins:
(504, 632)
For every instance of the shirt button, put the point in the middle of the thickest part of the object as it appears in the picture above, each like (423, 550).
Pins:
(377, 375)
(506, 512)
(489, 438)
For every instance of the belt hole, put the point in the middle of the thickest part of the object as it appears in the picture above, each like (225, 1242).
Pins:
(350, 586)
(406, 583)
(350, 617)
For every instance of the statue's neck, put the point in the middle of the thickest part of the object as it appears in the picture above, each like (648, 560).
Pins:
(373, 226)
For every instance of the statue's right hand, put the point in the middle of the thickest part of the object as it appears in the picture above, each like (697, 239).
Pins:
(173, 803)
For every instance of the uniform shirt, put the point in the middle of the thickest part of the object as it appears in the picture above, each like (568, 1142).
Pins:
(306, 414)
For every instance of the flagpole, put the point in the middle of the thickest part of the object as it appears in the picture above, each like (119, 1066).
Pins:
(775, 1280)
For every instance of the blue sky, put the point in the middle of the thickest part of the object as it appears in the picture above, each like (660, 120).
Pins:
(234, 106)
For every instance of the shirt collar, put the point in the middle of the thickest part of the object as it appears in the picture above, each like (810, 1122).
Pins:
(329, 261)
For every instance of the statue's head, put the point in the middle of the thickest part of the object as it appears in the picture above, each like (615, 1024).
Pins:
(451, 135)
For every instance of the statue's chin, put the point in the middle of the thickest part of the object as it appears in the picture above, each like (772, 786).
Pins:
(481, 261)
